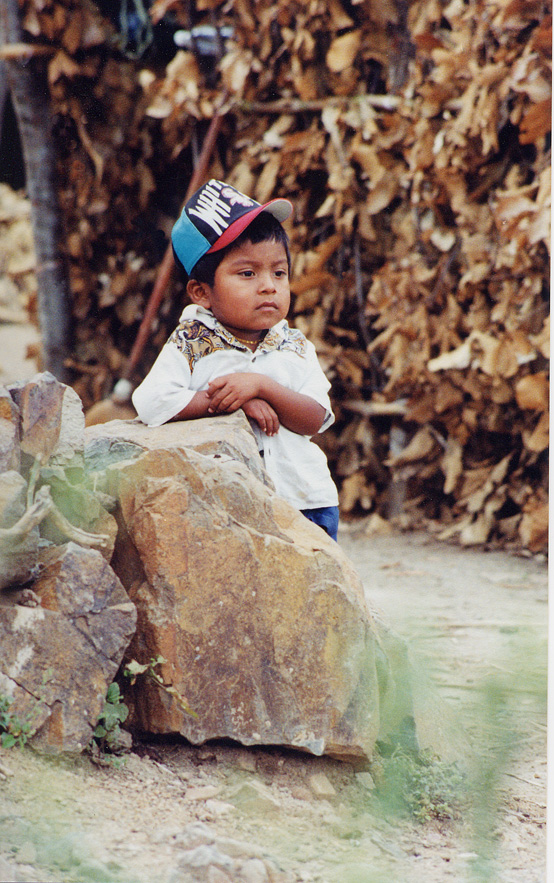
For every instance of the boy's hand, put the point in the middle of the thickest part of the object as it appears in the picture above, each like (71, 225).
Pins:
(295, 411)
(263, 414)
(232, 391)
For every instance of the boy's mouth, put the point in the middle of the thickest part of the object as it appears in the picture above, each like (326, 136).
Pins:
(267, 305)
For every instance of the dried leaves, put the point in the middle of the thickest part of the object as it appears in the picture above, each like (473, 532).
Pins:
(413, 141)
(18, 284)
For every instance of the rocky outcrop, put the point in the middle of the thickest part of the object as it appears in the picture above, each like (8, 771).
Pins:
(254, 620)
(65, 619)
(60, 655)
(44, 493)
(260, 617)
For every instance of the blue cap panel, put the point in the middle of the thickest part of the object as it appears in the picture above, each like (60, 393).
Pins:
(189, 244)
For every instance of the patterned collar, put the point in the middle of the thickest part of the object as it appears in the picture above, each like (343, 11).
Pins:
(275, 338)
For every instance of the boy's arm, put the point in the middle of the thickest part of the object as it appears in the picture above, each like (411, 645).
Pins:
(257, 409)
(165, 391)
(199, 406)
(296, 411)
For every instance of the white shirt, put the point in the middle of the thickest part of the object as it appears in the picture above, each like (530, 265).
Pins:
(201, 349)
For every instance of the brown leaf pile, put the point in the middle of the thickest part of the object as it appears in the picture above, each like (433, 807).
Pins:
(414, 141)
(18, 283)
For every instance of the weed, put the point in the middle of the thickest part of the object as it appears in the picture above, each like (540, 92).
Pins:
(107, 734)
(421, 785)
(13, 730)
(135, 669)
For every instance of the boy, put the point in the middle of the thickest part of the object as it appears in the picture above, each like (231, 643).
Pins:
(234, 349)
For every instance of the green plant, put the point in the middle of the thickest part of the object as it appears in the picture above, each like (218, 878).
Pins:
(107, 733)
(421, 785)
(13, 730)
(135, 669)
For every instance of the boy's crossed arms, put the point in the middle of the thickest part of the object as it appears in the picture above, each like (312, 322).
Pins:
(264, 400)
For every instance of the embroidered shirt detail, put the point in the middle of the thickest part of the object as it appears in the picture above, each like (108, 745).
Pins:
(290, 339)
(195, 340)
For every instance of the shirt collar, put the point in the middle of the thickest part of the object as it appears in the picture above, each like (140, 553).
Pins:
(274, 337)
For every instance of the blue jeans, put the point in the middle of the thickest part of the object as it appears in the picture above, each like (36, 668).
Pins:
(326, 517)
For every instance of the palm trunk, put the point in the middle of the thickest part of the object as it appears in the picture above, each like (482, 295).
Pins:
(28, 85)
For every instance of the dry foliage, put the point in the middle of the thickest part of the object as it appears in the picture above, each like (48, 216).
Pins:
(414, 141)
(18, 283)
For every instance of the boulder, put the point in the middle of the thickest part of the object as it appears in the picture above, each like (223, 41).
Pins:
(18, 554)
(51, 418)
(60, 655)
(65, 619)
(10, 457)
(40, 405)
(226, 436)
(41, 456)
(260, 617)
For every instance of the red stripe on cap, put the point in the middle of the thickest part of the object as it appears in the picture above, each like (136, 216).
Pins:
(234, 230)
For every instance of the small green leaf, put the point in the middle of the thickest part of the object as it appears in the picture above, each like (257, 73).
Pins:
(113, 694)
(123, 712)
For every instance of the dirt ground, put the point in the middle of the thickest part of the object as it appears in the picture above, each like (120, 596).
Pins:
(476, 623)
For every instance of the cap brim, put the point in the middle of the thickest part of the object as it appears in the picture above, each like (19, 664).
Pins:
(281, 209)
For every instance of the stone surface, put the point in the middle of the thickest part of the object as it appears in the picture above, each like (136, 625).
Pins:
(72, 427)
(260, 616)
(209, 858)
(52, 420)
(229, 436)
(321, 786)
(18, 555)
(42, 440)
(81, 505)
(59, 658)
(40, 404)
(9, 432)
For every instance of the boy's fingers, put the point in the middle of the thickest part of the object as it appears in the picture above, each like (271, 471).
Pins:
(217, 396)
(218, 384)
(213, 389)
(226, 403)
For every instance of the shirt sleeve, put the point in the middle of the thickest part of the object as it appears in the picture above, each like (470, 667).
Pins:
(166, 388)
(315, 384)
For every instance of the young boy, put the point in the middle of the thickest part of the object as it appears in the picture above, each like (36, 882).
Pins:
(234, 349)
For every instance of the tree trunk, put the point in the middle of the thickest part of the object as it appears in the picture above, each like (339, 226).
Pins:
(3, 95)
(28, 85)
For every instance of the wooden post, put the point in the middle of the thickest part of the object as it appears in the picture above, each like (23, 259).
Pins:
(28, 85)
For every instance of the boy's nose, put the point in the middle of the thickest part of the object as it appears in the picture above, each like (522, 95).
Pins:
(267, 282)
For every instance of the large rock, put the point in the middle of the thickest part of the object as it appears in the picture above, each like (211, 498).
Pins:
(10, 457)
(19, 554)
(60, 655)
(41, 445)
(260, 616)
(52, 418)
(228, 436)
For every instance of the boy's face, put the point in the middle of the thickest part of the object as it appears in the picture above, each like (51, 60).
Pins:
(251, 290)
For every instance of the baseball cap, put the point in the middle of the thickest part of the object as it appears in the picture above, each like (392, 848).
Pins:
(214, 217)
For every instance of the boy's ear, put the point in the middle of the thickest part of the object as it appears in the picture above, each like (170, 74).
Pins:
(199, 293)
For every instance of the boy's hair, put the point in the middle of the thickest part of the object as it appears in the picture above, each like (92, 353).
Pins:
(263, 228)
